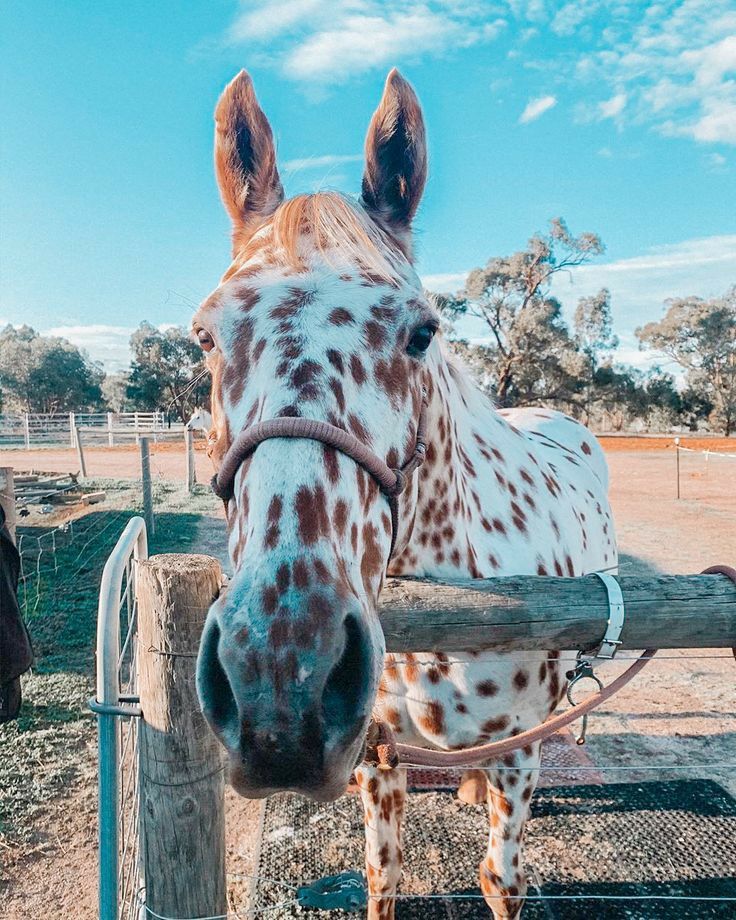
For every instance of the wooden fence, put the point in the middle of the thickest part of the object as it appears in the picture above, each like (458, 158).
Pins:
(104, 428)
(182, 796)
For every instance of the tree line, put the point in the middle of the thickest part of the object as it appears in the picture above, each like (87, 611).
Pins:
(528, 355)
(47, 374)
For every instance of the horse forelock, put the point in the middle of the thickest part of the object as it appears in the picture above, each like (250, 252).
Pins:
(327, 225)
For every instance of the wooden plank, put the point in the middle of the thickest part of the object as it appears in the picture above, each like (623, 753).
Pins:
(93, 498)
(182, 762)
(80, 454)
(532, 612)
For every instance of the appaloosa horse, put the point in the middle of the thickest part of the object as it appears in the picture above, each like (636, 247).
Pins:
(321, 316)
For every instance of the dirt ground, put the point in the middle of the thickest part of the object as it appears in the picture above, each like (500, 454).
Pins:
(677, 719)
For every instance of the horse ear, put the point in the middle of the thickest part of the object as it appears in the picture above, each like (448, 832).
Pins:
(395, 158)
(245, 157)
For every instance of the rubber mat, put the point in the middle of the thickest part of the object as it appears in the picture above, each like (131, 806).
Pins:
(564, 763)
(594, 841)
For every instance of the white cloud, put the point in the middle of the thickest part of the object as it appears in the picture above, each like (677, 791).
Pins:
(326, 41)
(320, 162)
(674, 64)
(536, 108)
(668, 64)
(571, 15)
(612, 107)
(108, 344)
(639, 286)
(269, 20)
(446, 283)
(715, 162)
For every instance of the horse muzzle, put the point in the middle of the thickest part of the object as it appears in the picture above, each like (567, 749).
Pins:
(289, 697)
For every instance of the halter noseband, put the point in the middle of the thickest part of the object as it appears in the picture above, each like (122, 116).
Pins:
(391, 482)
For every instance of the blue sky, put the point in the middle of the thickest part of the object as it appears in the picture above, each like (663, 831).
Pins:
(621, 117)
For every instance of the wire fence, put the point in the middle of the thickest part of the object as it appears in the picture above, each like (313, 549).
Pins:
(702, 473)
(131, 886)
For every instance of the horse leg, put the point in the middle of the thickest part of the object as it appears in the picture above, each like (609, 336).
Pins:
(383, 793)
(502, 878)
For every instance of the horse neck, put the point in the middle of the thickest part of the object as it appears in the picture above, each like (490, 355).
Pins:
(467, 440)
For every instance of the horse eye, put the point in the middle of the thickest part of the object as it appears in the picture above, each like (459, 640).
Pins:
(205, 340)
(421, 339)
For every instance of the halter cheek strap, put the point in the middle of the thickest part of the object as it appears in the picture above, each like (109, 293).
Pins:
(391, 482)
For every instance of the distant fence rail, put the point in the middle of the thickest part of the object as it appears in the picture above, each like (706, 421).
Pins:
(100, 428)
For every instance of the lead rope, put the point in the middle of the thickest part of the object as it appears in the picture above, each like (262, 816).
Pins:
(386, 753)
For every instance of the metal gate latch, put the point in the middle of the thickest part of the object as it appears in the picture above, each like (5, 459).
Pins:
(346, 891)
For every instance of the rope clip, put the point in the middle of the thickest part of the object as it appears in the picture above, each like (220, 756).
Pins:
(583, 670)
(606, 651)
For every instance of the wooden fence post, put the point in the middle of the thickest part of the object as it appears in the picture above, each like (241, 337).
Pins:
(7, 498)
(110, 430)
(80, 452)
(191, 469)
(146, 482)
(26, 430)
(182, 764)
(677, 455)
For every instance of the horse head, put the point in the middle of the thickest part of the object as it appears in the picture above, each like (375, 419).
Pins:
(320, 316)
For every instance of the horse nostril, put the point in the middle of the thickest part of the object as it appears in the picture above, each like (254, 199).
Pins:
(213, 687)
(346, 690)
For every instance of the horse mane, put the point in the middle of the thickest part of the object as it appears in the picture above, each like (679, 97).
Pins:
(334, 225)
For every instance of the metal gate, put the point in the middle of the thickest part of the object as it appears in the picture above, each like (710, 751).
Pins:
(116, 705)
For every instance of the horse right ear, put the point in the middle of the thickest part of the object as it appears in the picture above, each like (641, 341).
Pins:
(245, 159)
(396, 159)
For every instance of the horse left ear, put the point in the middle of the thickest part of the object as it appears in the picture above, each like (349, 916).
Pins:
(245, 158)
(395, 159)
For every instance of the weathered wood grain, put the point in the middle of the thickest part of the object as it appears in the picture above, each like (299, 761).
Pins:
(532, 612)
(182, 778)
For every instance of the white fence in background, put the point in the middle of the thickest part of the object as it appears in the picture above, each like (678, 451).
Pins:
(97, 428)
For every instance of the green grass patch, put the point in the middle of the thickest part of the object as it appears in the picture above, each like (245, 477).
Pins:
(52, 743)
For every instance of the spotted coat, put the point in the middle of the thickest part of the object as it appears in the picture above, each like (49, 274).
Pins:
(322, 315)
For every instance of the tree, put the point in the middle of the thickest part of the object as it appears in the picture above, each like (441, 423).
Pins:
(700, 335)
(594, 338)
(46, 374)
(532, 355)
(167, 371)
(618, 395)
(115, 392)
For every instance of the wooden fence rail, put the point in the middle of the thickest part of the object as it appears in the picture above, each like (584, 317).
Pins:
(530, 612)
